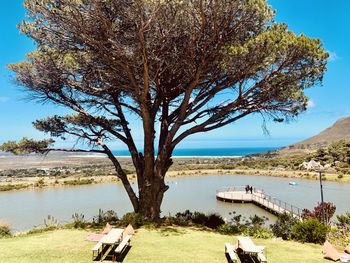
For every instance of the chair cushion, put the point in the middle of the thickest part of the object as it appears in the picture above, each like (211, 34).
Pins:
(347, 249)
(107, 228)
(330, 252)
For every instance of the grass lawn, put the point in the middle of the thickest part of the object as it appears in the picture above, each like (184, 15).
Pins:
(170, 245)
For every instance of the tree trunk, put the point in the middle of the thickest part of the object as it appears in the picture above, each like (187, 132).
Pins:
(152, 193)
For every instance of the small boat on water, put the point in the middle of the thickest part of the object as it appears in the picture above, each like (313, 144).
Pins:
(292, 183)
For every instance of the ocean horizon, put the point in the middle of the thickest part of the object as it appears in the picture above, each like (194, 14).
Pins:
(210, 152)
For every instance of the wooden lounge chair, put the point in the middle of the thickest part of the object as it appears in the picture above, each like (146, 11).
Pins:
(127, 234)
(96, 249)
(230, 253)
(332, 254)
(247, 246)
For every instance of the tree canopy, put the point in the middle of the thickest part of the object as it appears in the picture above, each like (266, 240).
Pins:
(185, 66)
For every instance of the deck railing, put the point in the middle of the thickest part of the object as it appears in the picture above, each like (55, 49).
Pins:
(260, 197)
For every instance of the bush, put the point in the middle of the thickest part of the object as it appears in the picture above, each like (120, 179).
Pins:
(79, 221)
(199, 218)
(10, 187)
(214, 221)
(183, 218)
(228, 229)
(4, 230)
(51, 222)
(40, 183)
(343, 221)
(105, 217)
(283, 226)
(187, 218)
(134, 219)
(310, 230)
(256, 221)
(257, 232)
(328, 208)
(79, 181)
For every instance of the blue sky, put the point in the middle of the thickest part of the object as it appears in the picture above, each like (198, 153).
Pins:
(327, 20)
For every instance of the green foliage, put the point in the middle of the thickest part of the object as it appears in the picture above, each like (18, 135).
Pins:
(229, 229)
(340, 235)
(5, 230)
(25, 146)
(343, 221)
(135, 219)
(257, 232)
(337, 154)
(58, 126)
(39, 183)
(51, 222)
(199, 218)
(183, 218)
(10, 187)
(79, 181)
(105, 217)
(310, 230)
(283, 226)
(253, 226)
(43, 229)
(214, 221)
(256, 221)
(79, 221)
(186, 218)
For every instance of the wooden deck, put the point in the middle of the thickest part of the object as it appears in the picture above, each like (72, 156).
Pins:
(259, 198)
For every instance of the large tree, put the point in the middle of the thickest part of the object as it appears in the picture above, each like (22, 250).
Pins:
(181, 67)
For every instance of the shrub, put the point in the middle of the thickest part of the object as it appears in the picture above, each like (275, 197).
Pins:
(283, 226)
(257, 232)
(40, 183)
(79, 221)
(228, 229)
(256, 221)
(310, 230)
(183, 218)
(4, 230)
(328, 208)
(9, 187)
(38, 230)
(79, 181)
(105, 217)
(50, 221)
(214, 221)
(343, 221)
(134, 219)
(199, 218)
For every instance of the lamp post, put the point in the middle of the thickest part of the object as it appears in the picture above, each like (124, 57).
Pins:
(322, 204)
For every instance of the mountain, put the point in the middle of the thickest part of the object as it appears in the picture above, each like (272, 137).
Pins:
(340, 130)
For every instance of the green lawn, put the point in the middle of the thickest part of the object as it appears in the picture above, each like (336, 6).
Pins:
(170, 245)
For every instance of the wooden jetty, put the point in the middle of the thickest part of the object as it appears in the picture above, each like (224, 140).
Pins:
(259, 198)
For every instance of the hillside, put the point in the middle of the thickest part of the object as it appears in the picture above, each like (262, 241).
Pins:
(340, 130)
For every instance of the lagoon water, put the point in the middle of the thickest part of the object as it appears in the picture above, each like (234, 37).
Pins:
(25, 209)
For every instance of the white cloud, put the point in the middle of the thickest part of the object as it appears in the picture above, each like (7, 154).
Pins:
(311, 104)
(3, 99)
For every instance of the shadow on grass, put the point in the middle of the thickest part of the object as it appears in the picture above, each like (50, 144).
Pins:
(170, 231)
(118, 258)
(245, 258)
